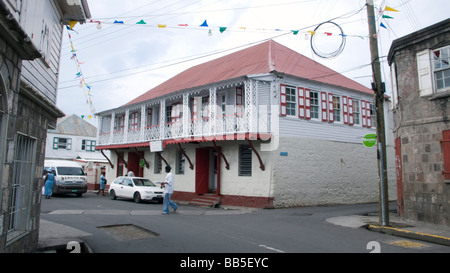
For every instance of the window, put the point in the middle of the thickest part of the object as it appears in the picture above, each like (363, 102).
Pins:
(62, 143)
(169, 114)
(245, 160)
(22, 180)
(158, 164)
(119, 123)
(134, 121)
(88, 145)
(441, 65)
(180, 163)
(291, 101)
(337, 108)
(373, 114)
(315, 105)
(357, 111)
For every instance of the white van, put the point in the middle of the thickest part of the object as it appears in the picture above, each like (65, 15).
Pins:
(69, 179)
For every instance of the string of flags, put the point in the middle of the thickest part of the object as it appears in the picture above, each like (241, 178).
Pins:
(384, 16)
(87, 89)
(221, 29)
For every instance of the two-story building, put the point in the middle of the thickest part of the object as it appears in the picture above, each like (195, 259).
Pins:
(420, 65)
(74, 139)
(261, 127)
(30, 45)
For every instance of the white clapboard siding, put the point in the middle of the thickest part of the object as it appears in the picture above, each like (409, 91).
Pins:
(42, 74)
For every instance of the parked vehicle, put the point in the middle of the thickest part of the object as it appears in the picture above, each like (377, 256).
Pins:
(70, 177)
(137, 188)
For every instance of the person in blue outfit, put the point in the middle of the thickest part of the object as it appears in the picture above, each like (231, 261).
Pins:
(168, 191)
(102, 184)
(49, 181)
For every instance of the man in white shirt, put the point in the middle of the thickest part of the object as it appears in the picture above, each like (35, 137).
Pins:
(168, 191)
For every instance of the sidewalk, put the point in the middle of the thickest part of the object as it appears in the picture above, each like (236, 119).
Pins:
(421, 231)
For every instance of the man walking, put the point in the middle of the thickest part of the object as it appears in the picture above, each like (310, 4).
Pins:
(168, 191)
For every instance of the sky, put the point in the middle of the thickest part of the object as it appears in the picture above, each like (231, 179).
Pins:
(120, 62)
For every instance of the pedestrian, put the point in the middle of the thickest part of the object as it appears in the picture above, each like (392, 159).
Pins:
(49, 181)
(130, 173)
(168, 191)
(102, 184)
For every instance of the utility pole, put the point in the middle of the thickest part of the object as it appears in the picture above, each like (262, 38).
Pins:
(379, 88)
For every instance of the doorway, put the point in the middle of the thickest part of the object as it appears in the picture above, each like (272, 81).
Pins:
(207, 171)
(133, 163)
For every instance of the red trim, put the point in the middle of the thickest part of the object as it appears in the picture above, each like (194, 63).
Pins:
(363, 113)
(345, 109)
(308, 103)
(330, 108)
(230, 200)
(283, 101)
(301, 102)
(324, 102)
(247, 136)
(351, 117)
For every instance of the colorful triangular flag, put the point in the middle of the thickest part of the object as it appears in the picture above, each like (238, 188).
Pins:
(390, 9)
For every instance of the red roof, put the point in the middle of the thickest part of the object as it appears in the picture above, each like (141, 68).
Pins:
(260, 59)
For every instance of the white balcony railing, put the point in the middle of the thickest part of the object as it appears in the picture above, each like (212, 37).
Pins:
(202, 127)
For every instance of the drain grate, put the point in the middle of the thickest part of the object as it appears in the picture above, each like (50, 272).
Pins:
(128, 232)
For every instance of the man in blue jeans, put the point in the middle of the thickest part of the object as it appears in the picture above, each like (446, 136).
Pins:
(168, 191)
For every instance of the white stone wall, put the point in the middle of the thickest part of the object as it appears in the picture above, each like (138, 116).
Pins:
(318, 172)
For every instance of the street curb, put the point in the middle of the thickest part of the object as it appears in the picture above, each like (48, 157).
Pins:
(436, 239)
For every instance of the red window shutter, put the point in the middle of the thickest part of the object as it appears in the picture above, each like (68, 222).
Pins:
(368, 115)
(301, 102)
(283, 102)
(363, 113)
(351, 120)
(446, 151)
(330, 107)
(308, 103)
(345, 108)
(324, 102)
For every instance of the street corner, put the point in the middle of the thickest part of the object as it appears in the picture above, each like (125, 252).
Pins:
(407, 232)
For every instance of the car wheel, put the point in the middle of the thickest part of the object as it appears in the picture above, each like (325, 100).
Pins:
(112, 194)
(79, 194)
(137, 197)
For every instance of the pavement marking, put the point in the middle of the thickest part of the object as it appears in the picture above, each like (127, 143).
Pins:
(271, 248)
(408, 244)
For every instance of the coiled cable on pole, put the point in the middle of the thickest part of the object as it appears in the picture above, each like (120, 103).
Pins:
(327, 55)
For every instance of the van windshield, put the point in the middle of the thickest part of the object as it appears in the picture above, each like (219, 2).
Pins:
(70, 171)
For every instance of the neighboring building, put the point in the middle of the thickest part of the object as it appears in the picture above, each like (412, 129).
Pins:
(420, 65)
(30, 44)
(262, 127)
(74, 139)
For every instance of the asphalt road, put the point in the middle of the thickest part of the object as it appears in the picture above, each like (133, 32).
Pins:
(123, 226)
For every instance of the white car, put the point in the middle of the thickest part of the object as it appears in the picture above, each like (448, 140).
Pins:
(137, 188)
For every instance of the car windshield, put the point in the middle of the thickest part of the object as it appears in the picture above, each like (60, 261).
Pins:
(143, 183)
(70, 171)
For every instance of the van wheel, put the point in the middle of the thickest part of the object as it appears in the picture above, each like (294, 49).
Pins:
(112, 194)
(137, 197)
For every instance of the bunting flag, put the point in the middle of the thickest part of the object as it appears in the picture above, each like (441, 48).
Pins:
(221, 29)
(390, 9)
(384, 16)
(79, 75)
